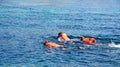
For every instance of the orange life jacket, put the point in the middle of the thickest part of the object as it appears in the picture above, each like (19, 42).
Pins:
(65, 37)
(52, 45)
(89, 40)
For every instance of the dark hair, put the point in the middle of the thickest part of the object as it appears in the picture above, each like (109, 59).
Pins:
(45, 42)
(59, 33)
(81, 37)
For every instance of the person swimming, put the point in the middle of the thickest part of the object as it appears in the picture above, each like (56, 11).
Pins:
(88, 41)
(63, 37)
(52, 45)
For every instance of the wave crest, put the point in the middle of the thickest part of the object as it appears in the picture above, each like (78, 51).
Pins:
(114, 45)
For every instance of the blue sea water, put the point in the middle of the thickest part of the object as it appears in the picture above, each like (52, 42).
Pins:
(24, 28)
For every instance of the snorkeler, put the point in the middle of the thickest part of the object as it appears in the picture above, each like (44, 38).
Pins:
(88, 41)
(52, 45)
(62, 37)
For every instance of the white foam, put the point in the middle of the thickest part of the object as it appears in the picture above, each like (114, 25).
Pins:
(114, 45)
(60, 39)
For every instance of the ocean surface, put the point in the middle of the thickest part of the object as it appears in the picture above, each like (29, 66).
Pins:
(24, 29)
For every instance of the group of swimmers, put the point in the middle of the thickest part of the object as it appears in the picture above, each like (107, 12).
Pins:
(63, 37)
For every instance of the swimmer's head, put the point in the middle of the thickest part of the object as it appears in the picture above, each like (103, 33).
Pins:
(45, 42)
(59, 34)
(81, 38)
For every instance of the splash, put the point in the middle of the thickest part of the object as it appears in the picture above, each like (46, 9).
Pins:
(114, 45)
